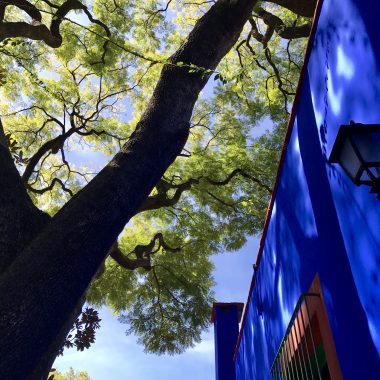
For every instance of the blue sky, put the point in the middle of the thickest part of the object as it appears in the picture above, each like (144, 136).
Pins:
(117, 356)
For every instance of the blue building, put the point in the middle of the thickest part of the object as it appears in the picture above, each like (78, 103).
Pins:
(313, 310)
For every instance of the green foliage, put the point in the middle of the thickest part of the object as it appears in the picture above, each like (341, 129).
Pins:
(82, 334)
(62, 106)
(69, 375)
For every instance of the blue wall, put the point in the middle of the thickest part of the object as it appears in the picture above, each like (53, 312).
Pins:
(226, 331)
(320, 221)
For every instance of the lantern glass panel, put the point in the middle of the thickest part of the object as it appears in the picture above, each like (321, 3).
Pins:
(375, 171)
(349, 159)
(365, 177)
(368, 145)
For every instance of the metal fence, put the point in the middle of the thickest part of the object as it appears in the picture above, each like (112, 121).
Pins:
(301, 354)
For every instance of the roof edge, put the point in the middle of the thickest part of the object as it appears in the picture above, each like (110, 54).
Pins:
(239, 305)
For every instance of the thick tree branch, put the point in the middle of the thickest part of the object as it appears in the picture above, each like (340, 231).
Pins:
(161, 199)
(164, 245)
(24, 5)
(34, 32)
(287, 32)
(20, 220)
(142, 252)
(255, 33)
(37, 31)
(126, 262)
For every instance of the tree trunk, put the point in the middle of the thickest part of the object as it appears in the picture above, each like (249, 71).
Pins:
(43, 286)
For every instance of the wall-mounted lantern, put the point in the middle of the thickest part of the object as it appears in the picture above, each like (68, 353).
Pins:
(357, 151)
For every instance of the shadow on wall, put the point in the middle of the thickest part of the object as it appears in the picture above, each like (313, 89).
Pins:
(292, 231)
(349, 89)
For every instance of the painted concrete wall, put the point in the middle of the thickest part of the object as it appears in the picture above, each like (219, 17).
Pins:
(226, 318)
(320, 221)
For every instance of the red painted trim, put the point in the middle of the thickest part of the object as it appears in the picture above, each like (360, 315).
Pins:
(280, 165)
(226, 305)
(318, 307)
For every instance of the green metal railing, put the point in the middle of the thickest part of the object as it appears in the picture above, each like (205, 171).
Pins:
(300, 356)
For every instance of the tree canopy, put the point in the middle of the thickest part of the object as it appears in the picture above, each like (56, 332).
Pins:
(69, 375)
(75, 80)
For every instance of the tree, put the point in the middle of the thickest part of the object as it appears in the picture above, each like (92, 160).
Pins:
(194, 188)
(69, 375)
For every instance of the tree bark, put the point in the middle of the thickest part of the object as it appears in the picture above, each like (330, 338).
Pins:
(20, 220)
(284, 31)
(41, 32)
(43, 286)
